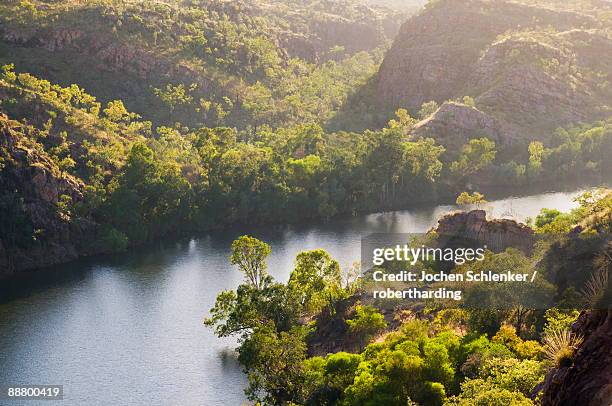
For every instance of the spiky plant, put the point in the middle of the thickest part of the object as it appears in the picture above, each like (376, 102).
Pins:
(595, 288)
(560, 346)
(603, 260)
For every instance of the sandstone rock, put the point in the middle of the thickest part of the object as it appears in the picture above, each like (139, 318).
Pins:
(497, 234)
(57, 40)
(436, 51)
(111, 56)
(453, 124)
(538, 83)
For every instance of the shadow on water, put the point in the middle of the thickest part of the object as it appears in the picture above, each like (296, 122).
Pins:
(150, 259)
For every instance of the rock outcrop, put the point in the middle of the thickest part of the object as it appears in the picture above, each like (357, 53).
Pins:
(588, 381)
(103, 50)
(527, 80)
(33, 190)
(436, 51)
(453, 124)
(538, 82)
(497, 234)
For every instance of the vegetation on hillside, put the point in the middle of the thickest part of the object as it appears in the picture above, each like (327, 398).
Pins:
(199, 114)
(530, 66)
(145, 181)
(208, 62)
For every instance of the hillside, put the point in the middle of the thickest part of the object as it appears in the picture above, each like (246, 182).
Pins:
(409, 5)
(138, 182)
(529, 67)
(173, 125)
(183, 117)
(206, 62)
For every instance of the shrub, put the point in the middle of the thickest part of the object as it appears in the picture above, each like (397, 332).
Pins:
(558, 320)
(434, 393)
(113, 240)
(367, 323)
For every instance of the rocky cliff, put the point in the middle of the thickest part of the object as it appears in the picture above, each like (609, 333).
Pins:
(37, 227)
(497, 234)
(455, 123)
(588, 381)
(436, 51)
(530, 69)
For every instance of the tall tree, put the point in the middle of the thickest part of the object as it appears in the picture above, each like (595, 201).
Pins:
(250, 254)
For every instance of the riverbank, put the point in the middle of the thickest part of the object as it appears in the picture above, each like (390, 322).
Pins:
(94, 252)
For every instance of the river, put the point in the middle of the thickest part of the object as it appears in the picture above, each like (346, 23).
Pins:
(128, 330)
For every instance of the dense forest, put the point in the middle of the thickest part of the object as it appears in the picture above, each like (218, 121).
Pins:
(320, 338)
(127, 121)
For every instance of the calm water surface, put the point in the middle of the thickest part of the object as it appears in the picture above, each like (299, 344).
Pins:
(128, 330)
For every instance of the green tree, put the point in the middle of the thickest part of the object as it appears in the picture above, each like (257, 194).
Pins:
(316, 280)
(243, 310)
(552, 221)
(427, 109)
(258, 102)
(468, 101)
(274, 363)
(329, 377)
(423, 156)
(149, 198)
(390, 379)
(513, 374)
(384, 165)
(402, 121)
(465, 198)
(559, 319)
(116, 111)
(479, 392)
(175, 95)
(476, 155)
(536, 155)
(366, 323)
(250, 254)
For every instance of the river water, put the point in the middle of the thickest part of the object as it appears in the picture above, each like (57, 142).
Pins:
(128, 330)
